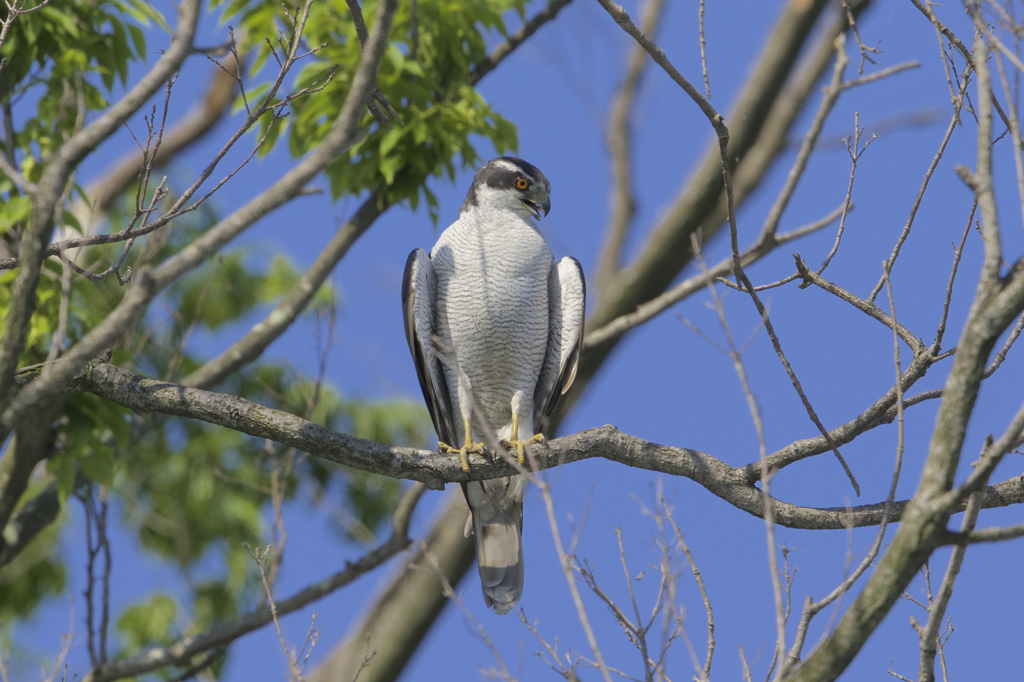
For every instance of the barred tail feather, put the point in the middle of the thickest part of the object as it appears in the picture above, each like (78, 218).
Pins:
(497, 523)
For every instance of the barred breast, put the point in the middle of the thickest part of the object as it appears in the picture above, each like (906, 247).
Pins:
(492, 306)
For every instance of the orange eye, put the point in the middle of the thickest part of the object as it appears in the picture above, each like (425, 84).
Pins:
(521, 183)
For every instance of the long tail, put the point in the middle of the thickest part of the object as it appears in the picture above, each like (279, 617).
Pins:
(497, 527)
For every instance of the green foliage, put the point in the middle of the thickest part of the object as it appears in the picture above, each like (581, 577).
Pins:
(193, 493)
(61, 50)
(422, 74)
(148, 623)
(230, 288)
(34, 574)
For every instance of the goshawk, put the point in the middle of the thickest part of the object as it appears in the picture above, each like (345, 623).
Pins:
(495, 327)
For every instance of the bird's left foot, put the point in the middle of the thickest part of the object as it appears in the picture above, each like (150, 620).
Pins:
(520, 446)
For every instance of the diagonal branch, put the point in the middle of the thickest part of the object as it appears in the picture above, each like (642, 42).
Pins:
(250, 346)
(182, 651)
(651, 309)
(51, 186)
(506, 48)
(622, 206)
(149, 284)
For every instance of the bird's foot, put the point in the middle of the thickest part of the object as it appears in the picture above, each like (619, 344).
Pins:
(520, 446)
(464, 452)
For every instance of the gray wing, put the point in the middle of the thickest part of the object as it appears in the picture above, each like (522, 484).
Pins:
(419, 287)
(567, 303)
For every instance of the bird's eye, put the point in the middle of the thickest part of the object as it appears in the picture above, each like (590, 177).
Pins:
(521, 183)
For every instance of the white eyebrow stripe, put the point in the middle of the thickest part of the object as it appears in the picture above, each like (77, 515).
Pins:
(513, 168)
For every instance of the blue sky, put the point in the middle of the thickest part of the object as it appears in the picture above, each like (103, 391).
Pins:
(664, 383)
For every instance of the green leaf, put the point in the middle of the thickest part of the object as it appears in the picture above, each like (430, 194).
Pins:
(98, 465)
(15, 211)
(138, 38)
(147, 623)
(63, 468)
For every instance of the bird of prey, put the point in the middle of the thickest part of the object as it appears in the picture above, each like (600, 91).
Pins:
(495, 328)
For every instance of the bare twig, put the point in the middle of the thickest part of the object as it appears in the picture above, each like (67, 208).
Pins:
(691, 285)
(703, 57)
(1001, 355)
(450, 592)
(958, 252)
(570, 577)
(929, 634)
(855, 152)
(865, 51)
(182, 651)
(706, 673)
(755, 415)
(957, 106)
(811, 607)
(622, 205)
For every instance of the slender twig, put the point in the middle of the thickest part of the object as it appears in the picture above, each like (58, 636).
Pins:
(954, 121)
(567, 570)
(755, 415)
(929, 634)
(621, 17)
(622, 205)
(690, 286)
(855, 151)
(703, 57)
(828, 101)
(1001, 355)
(866, 307)
(1018, 163)
(811, 607)
(958, 252)
(183, 651)
(864, 49)
(706, 673)
(504, 49)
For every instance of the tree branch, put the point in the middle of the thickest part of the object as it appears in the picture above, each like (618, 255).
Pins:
(621, 204)
(50, 189)
(997, 302)
(435, 470)
(181, 652)
(515, 40)
(252, 345)
(148, 285)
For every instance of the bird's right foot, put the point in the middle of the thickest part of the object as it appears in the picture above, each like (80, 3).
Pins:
(464, 452)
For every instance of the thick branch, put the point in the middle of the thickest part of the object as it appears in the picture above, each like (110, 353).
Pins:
(730, 483)
(996, 304)
(181, 652)
(402, 615)
(250, 346)
(148, 285)
(51, 187)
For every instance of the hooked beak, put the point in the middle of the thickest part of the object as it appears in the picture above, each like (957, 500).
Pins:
(536, 208)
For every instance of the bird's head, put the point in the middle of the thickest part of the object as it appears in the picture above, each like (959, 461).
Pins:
(512, 184)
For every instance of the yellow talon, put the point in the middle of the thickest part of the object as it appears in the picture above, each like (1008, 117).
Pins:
(519, 445)
(465, 450)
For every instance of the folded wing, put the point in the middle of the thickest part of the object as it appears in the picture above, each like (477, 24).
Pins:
(419, 290)
(567, 303)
